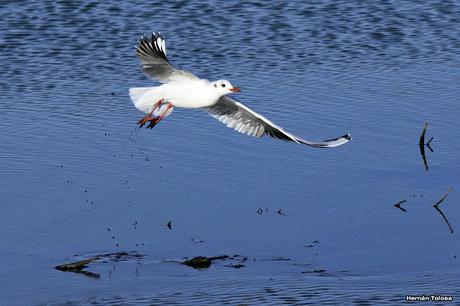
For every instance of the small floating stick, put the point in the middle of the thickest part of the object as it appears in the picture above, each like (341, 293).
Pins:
(398, 205)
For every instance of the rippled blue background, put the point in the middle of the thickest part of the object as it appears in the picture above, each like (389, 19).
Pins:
(73, 163)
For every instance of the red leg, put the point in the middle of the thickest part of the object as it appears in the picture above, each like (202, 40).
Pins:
(149, 115)
(154, 121)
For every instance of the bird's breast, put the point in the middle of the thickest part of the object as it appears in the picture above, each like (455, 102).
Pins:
(190, 95)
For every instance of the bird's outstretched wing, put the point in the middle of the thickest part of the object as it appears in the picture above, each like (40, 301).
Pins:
(152, 53)
(241, 118)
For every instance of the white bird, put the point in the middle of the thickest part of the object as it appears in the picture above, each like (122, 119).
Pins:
(183, 89)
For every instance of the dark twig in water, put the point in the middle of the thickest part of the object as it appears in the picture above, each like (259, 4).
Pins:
(436, 206)
(422, 144)
(398, 205)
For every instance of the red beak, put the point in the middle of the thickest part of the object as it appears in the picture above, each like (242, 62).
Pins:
(235, 89)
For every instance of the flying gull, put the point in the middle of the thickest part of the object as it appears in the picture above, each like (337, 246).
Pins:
(181, 88)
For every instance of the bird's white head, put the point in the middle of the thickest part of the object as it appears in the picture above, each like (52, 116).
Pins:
(224, 87)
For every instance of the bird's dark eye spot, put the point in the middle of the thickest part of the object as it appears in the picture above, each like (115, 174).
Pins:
(223, 85)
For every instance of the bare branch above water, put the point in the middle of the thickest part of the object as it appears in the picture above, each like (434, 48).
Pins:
(422, 144)
(436, 206)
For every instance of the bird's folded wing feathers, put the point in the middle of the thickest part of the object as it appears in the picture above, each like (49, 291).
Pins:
(244, 120)
(152, 53)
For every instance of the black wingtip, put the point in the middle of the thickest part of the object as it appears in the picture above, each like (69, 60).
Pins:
(151, 47)
(346, 137)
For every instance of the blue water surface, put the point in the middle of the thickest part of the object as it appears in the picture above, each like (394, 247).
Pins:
(78, 178)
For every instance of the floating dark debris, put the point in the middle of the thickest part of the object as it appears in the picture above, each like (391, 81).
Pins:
(169, 225)
(398, 205)
(236, 266)
(315, 271)
(261, 211)
(81, 265)
(196, 240)
(275, 259)
(199, 262)
(319, 271)
(202, 262)
(436, 206)
(301, 264)
(281, 213)
(311, 244)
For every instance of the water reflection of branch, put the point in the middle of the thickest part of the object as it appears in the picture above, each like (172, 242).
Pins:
(422, 144)
(436, 206)
(88, 274)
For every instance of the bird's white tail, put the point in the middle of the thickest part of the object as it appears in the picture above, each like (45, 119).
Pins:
(140, 102)
(144, 99)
